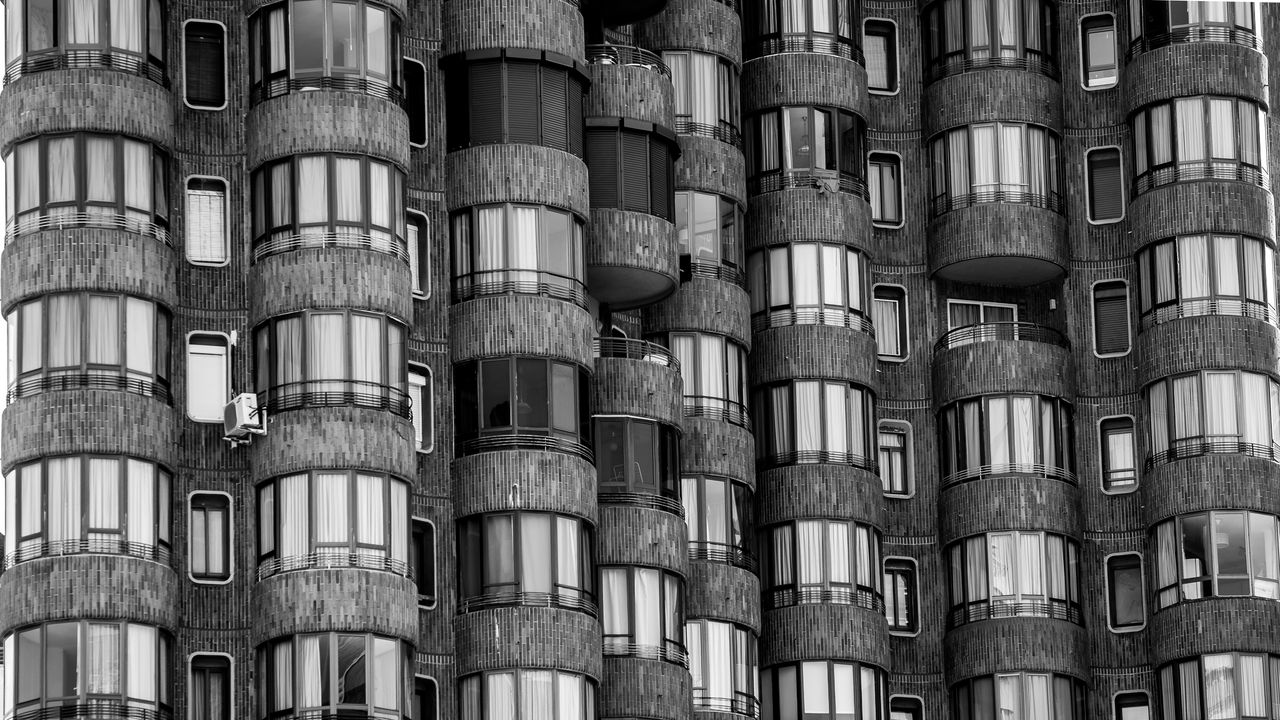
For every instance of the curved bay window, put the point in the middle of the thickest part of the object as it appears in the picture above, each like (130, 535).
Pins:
(815, 421)
(1007, 435)
(830, 562)
(824, 690)
(81, 340)
(637, 462)
(1199, 138)
(333, 675)
(522, 403)
(1158, 23)
(89, 668)
(76, 505)
(333, 518)
(714, 370)
(1222, 686)
(706, 95)
(525, 558)
(1014, 574)
(817, 26)
(809, 284)
(527, 695)
(719, 514)
(125, 35)
(348, 201)
(525, 249)
(642, 613)
(299, 45)
(1196, 275)
(709, 230)
(965, 35)
(1020, 695)
(724, 666)
(995, 162)
(321, 358)
(1223, 553)
(806, 147)
(86, 180)
(1215, 411)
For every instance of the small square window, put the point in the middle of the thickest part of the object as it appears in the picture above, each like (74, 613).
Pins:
(900, 596)
(880, 49)
(205, 238)
(210, 538)
(424, 561)
(884, 181)
(420, 253)
(895, 458)
(1111, 318)
(422, 395)
(204, 64)
(1119, 455)
(889, 316)
(1126, 609)
(209, 697)
(1098, 51)
(1105, 185)
(208, 376)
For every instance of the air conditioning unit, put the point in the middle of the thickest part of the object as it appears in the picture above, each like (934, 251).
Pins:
(241, 419)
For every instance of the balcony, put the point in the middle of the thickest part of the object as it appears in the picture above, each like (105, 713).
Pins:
(628, 56)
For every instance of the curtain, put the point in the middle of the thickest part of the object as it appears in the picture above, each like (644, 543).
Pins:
(386, 674)
(1193, 267)
(64, 499)
(715, 512)
(1219, 687)
(535, 555)
(126, 25)
(104, 498)
(647, 607)
(998, 431)
(469, 691)
(137, 179)
(1222, 126)
(719, 682)
(846, 688)
(1009, 696)
(958, 163)
(310, 672)
(783, 571)
(1024, 432)
(839, 419)
(1259, 283)
(1226, 265)
(64, 330)
(313, 192)
(1056, 568)
(1186, 407)
(537, 694)
(1041, 174)
(1158, 400)
(1264, 556)
(711, 370)
(1037, 691)
(1254, 395)
(615, 618)
(326, 350)
(702, 88)
(979, 28)
(813, 689)
(524, 243)
(370, 510)
(282, 680)
(499, 556)
(281, 205)
(62, 173)
(835, 290)
(1190, 129)
(680, 63)
(770, 146)
(142, 502)
(872, 697)
(140, 335)
(1001, 557)
(293, 516)
(985, 170)
(382, 196)
(1253, 686)
(1167, 560)
(376, 41)
(367, 348)
(491, 247)
(808, 416)
(809, 543)
(571, 691)
(348, 193)
(839, 545)
(102, 659)
(1162, 134)
(1011, 160)
(884, 317)
(82, 22)
(1030, 564)
(1253, 145)
(500, 702)
(569, 557)
(143, 665)
(804, 266)
(329, 496)
(400, 523)
(1220, 404)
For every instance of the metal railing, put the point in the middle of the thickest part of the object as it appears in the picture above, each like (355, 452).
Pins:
(717, 270)
(523, 439)
(111, 59)
(99, 709)
(26, 387)
(644, 500)
(559, 599)
(741, 704)
(1232, 35)
(788, 597)
(806, 43)
(723, 132)
(1230, 307)
(810, 457)
(104, 220)
(32, 550)
(708, 551)
(827, 181)
(1000, 331)
(632, 349)
(1200, 170)
(1050, 472)
(628, 55)
(335, 393)
(701, 406)
(1208, 445)
(519, 282)
(958, 64)
(946, 202)
(996, 609)
(276, 87)
(832, 317)
(622, 647)
(318, 559)
(276, 244)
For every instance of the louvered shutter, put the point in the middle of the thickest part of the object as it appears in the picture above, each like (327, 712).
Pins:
(205, 74)
(574, 107)
(660, 172)
(206, 221)
(555, 127)
(635, 172)
(1106, 191)
(484, 97)
(522, 103)
(1111, 318)
(602, 164)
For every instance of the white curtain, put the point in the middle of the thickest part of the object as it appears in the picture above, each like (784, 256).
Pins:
(386, 674)
(998, 430)
(1000, 556)
(64, 330)
(985, 172)
(535, 553)
(1253, 686)
(835, 291)
(104, 498)
(571, 691)
(783, 572)
(693, 632)
(702, 84)
(872, 696)
(809, 539)
(1264, 557)
(884, 316)
(814, 683)
(614, 597)
(1219, 687)
(1162, 134)
(62, 171)
(808, 416)
(380, 199)
(794, 15)
(867, 566)
(276, 41)
(770, 158)
(1220, 404)
(1193, 267)
(979, 28)
(838, 549)
(140, 335)
(400, 522)
(648, 607)
(838, 419)
(376, 42)
(347, 191)
(283, 678)
(370, 510)
(288, 350)
(1024, 432)
(568, 555)
(326, 350)
(524, 243)
(1186, 407)
(1190, 129)
(491, 246)
(1158, 401)
(126, 25)
(1037, 687)
(715, 512)
(330, 499)
(64, 499)
(537, 694)
(366, 350)
(143, 664)
(102, 660)
(804, 267)
(1030, 564)
(82, 22)
(1012, 165)
(779, 404)
(719, 664)
(1056, 569)
(679, 62)
(313, 192)
(281, 205)
(293, 516)
(711, 370)
(1007, 22)
(1255, 392)
(137, 179)
(309, 671)
(142, 502)
(1226, 263)
(501, 696)
(1222, 126)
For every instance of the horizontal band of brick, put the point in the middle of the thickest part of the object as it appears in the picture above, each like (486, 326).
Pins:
(554, 25)
(1207, 342)
(90, 100)
(713, 447)
(538, 480)
(650, 689)
(703, 305)
(707, 25)
(630, 91)
(1209, 482)
(632, 535)
(111, 422)
(514, 172)
(993, 94)
(720, 591)
(624, 386)
(805, 79)
(400, 7)
(326, 121)
(1013, 644)
(1203, 206)
(807, 215)
(709, 165)
(1185, 630)
(506, 325)
(89, 587)
(344, 278)
(815, 352)
(992, 233)
(819, 490)
(1002, 366)
(631, 258)
(527, 637)
(97, 259)
(334, 438)
(1194, 68)
(1009, 502)
(824, 632)
(332, 599)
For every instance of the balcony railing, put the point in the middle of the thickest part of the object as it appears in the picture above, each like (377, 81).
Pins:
(787, 597)
(730, 411)
(722, 131)
(644, 500)
(26, 387)
(628, 55)
(1051, 472)
(1200, 170)
(568, 600)
(1000, 331)
(827, 181)
(958, 64)
(32, 550)
(79, 59)
(811, 457)
(740, 703)
(945, 203)
(996, 609)
(622, 647)
(832, 317)
(1233, 35)
(68, 220)
(355, 239)
(806, 43)
(1213, 445)
(366, 560)
(632, 349)
(708, 551)
(519, 282)
(99, 709)
(521, 439)
(1230, 307)
(335, 393)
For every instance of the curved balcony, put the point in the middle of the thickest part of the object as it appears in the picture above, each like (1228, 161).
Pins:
(718, 552)
(1032, 358)
(996, 331)
(1204, 170)
(620, 647)
(628, 55)
(1198, 446)
(999, 243)
(104, 709)
(90, 380)
(717, 408)
(519, 282)
(335, 559)
(999, 609)
(1243, 37)
(110, 59)
(104, 220)
(277, 243)
(633, 349)
(805, 43)
(957, 64)
(774, 598)
(821, 181)
(276, 87)
(335, 393)
(566, 599)
(92, 546)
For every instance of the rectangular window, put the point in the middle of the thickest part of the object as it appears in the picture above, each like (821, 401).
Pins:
(424, 562)
(422, 395)
(880, 47)
(1126, 609)
(1119, 455)
(204, 65)
(426, 701)
(1098, 51)
(889, 318)
(906, 708)
(419, 240)
(884, 180)
(415, 101)
(210, 694)
(210, 537)
(1105, 185)
(900, 603)
(208, 376)
(1134, 706)
(895, 458)
(1111, 318)
(206, 216)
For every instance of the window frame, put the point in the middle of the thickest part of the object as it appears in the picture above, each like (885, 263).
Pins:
(955, 435)
(1089, 190)
(664, 492)
(745, 701)
(1087, 25)
(585, 686)
(944, 146)
(845, 165)
(778, 443)
(778, 591)
(420, 681)
(1108, 485)
(417, 523)
(1119, 697)
(908, 457)
(1149, 174)
(729, 357)
(780, 270)
(916, 712)
(408, 96)
(1175, 694)
(477, 431)
(226, 220)
(771, 700)
(149, 64)
(228, 540)
(266, 657)
(743, 553)
(1152, 33)
(420, 265)
(624, 642)
(1109, 293)
(873, 184)
(197, 658)
(901, 312)
(1201, 442)
(1107, 577)
(186, 95)
(227, 356)
(909, 570)
(962, 700)
(940, 61)
(888, 29)
(728, 266)
(470, 263)
(968, 605)
(623, 175)
(476, 593)
(727, 105)
(1184, 587)
(1159, 304)
(426, 428)
(763, 38)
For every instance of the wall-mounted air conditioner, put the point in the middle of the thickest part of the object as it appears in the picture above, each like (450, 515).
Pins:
(241, 419)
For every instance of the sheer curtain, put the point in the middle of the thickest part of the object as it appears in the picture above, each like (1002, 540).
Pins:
(1193, 267)
(648, 608)
(808, 416)
(490, 241)
(281, 205)
(104, 499)
(370, 513)
(703, 91)
(1222, 126)
(1012, 165)
(842, 419)
(469, 690)
(1162, 134)
(1254, 395)
(537, 694)
(380, 202)
(719, 660)
(810, 538)
(143, 665)
(804, 267)
(975, 552)
(500, 689)
(571, 691)
(348, 193)
(979, 28)
(313, 195)
(293, 514)
(137, 180)
(568, 556)
(1030, 564)
(330, 496)
(1253, 686)
(142, 502)
(82, 22)
(400, 522)
(872, 697)
(310, 672)
(102, 660)
(1190, 129)
(614, 616)
(326, 348)
(126, 25)
(104, 330)
(838, 560)
(680, 62)
(64, 330)
(535, 553)
(770, 155)
(1220, 405)
(366, 351)
(524, 244)
(62, 175)
(795, 16)
(1037, 689)
(64, 499)
(499, 554)
(1219, 687)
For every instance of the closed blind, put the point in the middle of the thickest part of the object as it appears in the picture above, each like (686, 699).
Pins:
(206, 236)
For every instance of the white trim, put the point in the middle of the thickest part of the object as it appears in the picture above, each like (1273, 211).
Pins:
(435, 682)
(435, 556)
(226, 220)
(1084, 51)
(425, 115)
(1142, 591)
(1088, 189)
(1118, 693)
(428, 418)
(231, 539)
(1093, 318)
(918, 698)
(226, 94)
(902, 215)
(915, 569)
(186, 373)
(231, 680)
(908, 454)
(1102, 456)
(425, 267)
(897, 64)
(905, 340)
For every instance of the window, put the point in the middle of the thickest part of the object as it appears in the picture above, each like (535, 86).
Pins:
(889, 316)
(415, 101)
(709, 230)
(1020, 696)
(116, 667)
(706, 95)
(815, 421)
(204, 64)
(422, 399)
(1155, 25)
(525, 558)
(527, 695)
(210, 695)
(424, 561)
(1223, 553)
(724, 666)
(720, 516)
(85, 180)
(206, 215)
(809, 284)
(331, 358)
(521, 97)
(210, 537)
(426, 699)
(208, 376)
(905, 708)
(965, 35)
(1196, 275)
(1199, 138)
(1105, 183)
(895, 458)
(1223, 686)
(551, 401)
(1111, 318)
(995, 162)
(824, 690)
(714, 370)
(1098, 64)
(637, 459)
(1126, 610)
(1132, 706)
(880, 46)
(348, 201)
(631, 169)
(787, 26)
(885, 184)
(346, 45)
(123, 35)
(832, 562)
(1119, 455)
(970, 321)
(1213, 412)
(88, 504)
(1014, 574)
(334, 674)
(333, 518)
(1007, 434)
(806, 147)
(642, 613)
(418, 241)
(901, 603)
(527, 249)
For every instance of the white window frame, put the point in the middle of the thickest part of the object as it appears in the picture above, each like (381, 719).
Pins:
(1118, 693)
(1084, 51)
(915, 569)
(897, 64)
(186, 359)
(1142, 593)
(428, 418)
(231, 690)
(422, 255)
(918, 698)
(435, 557)
(226, 220)
(1088, 187)
(902, 215)
(425, 115)
(417, 677)
(231, 541)
(903, 325)
(908, 456)
(1102, 456)
(226, 68)
(1093, 317)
